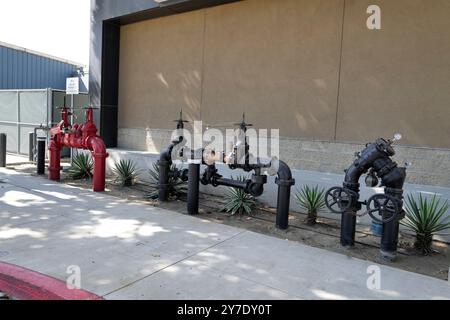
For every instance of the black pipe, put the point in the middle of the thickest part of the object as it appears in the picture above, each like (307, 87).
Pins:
(393, 181)
(164, 163)
(284, 182)
(366, 159)
(231, 183)
(2, 150)
(348, 219)
(193, 187)
(41, 156)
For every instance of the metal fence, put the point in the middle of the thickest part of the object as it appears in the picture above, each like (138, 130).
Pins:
(21, 111)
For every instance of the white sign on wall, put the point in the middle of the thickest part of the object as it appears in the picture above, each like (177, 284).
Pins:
(72, 86)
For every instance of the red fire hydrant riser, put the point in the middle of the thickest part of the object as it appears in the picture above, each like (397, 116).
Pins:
(83, 137)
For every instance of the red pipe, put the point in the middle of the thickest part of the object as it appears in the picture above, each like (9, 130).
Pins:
(98, 148)
(24, 284)
(78, 137)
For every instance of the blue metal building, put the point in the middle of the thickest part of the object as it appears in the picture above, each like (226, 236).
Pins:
(21, 68)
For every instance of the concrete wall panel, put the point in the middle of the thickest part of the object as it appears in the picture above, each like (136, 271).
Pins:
(396, 78)
(277, 61)
(160, 70)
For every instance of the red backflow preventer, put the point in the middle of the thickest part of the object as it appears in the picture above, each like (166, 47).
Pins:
(24, 284)
(80, 137)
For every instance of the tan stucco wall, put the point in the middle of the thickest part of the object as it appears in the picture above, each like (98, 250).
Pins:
(398, 78)
(160, 71)
(279, 61)
(275, 60)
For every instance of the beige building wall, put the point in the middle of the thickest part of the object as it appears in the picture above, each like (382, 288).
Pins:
(398, 78)
(160, 71)
(308, 67)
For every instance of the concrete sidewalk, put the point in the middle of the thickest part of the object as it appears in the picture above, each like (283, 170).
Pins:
(135, 251)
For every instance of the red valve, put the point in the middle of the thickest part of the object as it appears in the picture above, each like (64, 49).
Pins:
(81, 137)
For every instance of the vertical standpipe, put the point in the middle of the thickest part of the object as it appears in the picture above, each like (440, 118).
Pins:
(41, 155)
(284, 182)
(348, 219)
(193, 186)
(393, 182)
(2, 150)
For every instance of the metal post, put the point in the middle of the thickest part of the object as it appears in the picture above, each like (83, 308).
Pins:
(31, 143)
(41, 155)
(71, 124)
(2, 150)
(193, 187)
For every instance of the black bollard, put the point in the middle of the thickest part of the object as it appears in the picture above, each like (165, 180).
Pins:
(2, 150)
(41, 155)
(31, 142)
(193, 187)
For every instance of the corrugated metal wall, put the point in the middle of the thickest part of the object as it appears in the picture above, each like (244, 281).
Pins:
(24, 70)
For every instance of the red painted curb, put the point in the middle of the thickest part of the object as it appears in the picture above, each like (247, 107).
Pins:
(24, 284)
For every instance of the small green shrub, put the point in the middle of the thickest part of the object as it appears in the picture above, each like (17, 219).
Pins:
(426, 218)
(237, 201)
(177, 187)
(82, 166)
(312, 200)
(126, 172)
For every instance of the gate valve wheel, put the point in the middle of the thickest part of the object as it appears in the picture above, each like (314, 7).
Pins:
(385, 206)
(339, 199)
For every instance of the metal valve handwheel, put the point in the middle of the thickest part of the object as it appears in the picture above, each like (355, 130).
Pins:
(339, 199)
(384, 206)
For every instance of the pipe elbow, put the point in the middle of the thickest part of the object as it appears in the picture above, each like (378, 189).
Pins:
(395, 179)
(97, 146)
(284, 172)
(166, 155)
(284, 175)
(353, 173)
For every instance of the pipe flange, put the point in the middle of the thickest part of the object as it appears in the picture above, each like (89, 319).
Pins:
(285, 182)
(163, 163)
(386, 169)
(351, 186)
(259, 179)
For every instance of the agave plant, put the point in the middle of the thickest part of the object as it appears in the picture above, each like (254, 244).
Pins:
(312, 200)
(126, 172)
(237, 201)
(426, 217)
(82, 166)
(177, 187)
